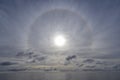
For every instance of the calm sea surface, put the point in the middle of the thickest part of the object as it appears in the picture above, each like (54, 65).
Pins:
(83, 75)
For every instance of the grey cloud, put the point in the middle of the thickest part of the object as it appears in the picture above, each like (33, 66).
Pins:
(7, 63)
(116, 67)
(17, 69)
(71, 57)
(90, 66)
(99, 62)
(103, 63)
(88, 61)
(37, 59)
(40, 58)
(24, 53)
(31, 57)
(79, 65)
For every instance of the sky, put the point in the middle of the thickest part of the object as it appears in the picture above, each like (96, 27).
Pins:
(91, 28)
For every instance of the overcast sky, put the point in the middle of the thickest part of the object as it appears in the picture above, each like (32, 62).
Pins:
(91, 27)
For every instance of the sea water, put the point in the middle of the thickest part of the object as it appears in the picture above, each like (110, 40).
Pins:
(81, 75)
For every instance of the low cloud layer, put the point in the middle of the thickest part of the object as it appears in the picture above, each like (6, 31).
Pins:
(29, 60)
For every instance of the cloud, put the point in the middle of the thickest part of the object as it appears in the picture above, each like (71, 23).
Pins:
(116, 67)
(37, 59)
(99, 62)
(90, 66)
(28, 60)
(19, 69)
(7, 63)
(40, 58)
(71, 57)
(23, 54)
(88, 61)
(80, 65)
(31, 57)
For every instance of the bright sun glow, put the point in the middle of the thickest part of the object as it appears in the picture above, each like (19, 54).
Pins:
(59, 40)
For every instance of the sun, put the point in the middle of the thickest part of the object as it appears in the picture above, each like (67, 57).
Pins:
(59, 40)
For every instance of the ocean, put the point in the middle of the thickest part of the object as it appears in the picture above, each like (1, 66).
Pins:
(81, 75)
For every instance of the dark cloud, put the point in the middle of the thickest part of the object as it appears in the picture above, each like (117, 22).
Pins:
(40, 58)
(19, 54)
(116, 67)
(19, 69)
(7, 63)
(28, 54)
(37, 59)
(99, 62)
(90, 66)
(88, 61)
(71, 57)
(31, 57)
(80, 65)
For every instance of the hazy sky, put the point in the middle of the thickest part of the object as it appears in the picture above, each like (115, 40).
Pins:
(91, 27)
